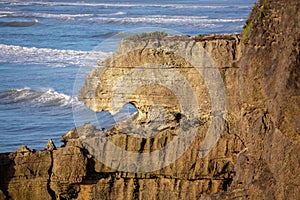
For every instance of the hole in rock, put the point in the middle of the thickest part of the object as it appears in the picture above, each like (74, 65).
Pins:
(178, 117)
(127, 112)
(107, 121)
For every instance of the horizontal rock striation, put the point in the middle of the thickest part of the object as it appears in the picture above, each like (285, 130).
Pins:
(74, 173)
(256, 155)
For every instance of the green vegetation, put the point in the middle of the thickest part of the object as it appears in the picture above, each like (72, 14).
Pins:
(246, 32)
(261, 13)
(253, 7)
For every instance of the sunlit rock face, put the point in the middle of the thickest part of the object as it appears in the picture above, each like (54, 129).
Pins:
(256, 155)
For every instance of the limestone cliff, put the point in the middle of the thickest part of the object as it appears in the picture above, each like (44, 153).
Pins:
(256, 157)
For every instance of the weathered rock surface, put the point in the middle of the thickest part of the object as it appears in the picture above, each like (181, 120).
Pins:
(25, 174)
(256, 157)
(270, 103)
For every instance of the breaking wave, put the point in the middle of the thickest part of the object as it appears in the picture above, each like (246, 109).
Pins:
(49, 57)
(197, 21)
(124, 5)
(28, 96)
(60, 16)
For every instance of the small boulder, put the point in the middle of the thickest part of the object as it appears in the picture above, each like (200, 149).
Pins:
(50, 146)
(72, 134)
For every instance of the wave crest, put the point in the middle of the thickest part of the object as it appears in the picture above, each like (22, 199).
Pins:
(28, 96)
(126, 5)
(196, 21)
(50, 57)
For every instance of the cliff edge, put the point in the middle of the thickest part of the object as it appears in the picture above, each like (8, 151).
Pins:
(256, 155)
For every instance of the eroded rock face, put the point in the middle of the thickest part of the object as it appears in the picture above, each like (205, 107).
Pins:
(74, 173)
(270, 107)
(256, 156)
(25, 174)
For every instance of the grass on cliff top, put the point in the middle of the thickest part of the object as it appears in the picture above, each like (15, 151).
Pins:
(261, 10)
(246, 32)
(261, 13)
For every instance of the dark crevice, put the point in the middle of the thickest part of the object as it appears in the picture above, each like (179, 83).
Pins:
(50, 191)
(136, 188)
(126, 144)
(151, 143)
(178, 117)
(7, 172)
(111, 184)
(143, 143)
(226, 184)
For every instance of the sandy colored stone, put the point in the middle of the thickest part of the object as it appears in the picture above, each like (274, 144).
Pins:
(256, 157)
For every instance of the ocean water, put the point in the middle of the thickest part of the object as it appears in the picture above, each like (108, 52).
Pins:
(43, 44)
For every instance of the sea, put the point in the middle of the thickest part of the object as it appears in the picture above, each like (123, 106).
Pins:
(44, 44)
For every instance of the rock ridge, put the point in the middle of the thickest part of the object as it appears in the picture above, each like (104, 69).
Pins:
(256, 157)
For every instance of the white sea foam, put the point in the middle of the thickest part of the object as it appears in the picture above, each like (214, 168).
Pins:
(6, 13)
(201, 21)
(178, 6)
(44, 97)
(57, 16)
(53, 98)
(49, 57)
(119, 13)
(63, 16)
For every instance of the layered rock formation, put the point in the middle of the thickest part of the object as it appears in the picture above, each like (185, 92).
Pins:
(269, 102)
(256, 156)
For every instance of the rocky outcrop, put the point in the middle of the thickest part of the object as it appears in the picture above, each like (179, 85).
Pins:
(25, 174)
(256, 155)
(270, 102)
(75, 173)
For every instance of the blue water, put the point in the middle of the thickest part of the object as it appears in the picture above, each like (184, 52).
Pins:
(44, 43)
